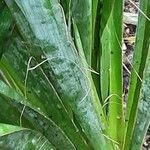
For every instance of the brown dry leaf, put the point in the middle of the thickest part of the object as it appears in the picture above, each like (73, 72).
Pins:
(130, 40)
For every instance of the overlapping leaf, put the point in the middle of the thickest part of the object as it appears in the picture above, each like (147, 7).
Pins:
(143, 115)
(44, 35)
(14, 137)
(138, 65)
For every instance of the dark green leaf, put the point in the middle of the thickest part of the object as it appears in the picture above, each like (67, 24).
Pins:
(138, 65)
(43, 29)
(17, 112)
(39, 91)
(143, 115)
(14, 138)
(81, 12)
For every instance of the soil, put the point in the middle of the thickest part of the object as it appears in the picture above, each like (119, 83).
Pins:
(128, 48)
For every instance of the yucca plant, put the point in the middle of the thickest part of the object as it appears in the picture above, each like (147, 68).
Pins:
(61, 76)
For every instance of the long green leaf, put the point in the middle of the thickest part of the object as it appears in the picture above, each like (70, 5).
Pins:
(108, 6)
(6, 21)
(139, 61)
(111, 65)
(143, 116)
(82, 14)
(96, 9)
(43, 29)
(105, 47)
(14, 137)
(93, 90)
(94, 15)
(15, 111)
(105, 63)
(41, 94)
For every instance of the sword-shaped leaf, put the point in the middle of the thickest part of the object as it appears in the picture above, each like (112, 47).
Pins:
(14, 138)
(43, 29)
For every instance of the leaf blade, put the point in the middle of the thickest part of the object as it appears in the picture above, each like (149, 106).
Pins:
(14, 137)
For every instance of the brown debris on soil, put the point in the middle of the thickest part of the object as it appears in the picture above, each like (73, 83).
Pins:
(129, 7)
